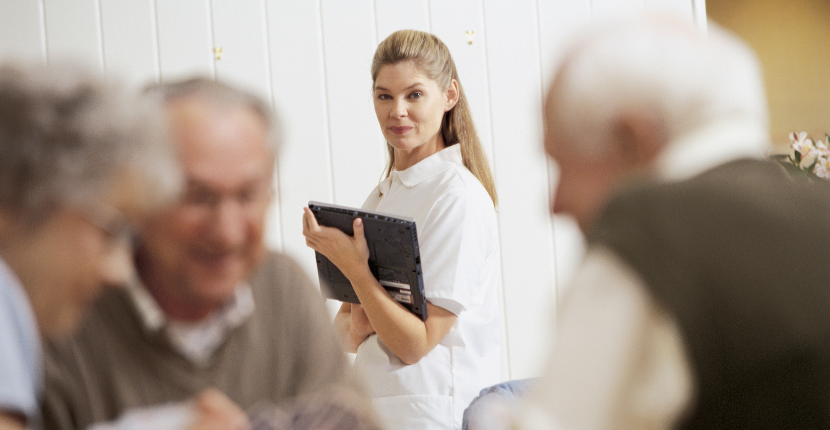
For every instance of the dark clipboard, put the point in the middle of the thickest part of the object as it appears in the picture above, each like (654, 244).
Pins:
(394, 257)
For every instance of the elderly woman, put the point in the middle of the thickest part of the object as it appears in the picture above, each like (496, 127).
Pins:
(80, 163)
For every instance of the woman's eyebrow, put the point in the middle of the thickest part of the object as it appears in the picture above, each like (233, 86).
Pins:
(405, 89)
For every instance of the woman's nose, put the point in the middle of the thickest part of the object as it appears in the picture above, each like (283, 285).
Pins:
(399, 109)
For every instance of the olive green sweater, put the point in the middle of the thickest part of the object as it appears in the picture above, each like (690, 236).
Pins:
(740, 257)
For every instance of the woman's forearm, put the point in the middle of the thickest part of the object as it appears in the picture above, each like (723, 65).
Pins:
(406, 335)
(343, 328)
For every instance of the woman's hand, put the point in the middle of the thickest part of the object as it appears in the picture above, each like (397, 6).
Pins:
(349, 254)
(406, 336)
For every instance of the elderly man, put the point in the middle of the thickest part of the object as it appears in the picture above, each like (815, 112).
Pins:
(702, 301)
(210, 306)
(80, 163)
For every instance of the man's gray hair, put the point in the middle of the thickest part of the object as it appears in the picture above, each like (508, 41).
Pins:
(665, 66)
(225, 96)
(66, 136)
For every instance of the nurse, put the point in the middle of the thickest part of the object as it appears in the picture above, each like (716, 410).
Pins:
(423, 374)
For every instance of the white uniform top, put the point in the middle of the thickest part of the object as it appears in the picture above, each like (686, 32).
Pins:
(458, 240)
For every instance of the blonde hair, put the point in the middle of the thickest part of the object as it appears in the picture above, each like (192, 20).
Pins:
(434, 59)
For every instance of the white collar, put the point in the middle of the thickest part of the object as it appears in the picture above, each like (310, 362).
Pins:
(196, 341)
(235, 312)
(702, 149)
(426, 168)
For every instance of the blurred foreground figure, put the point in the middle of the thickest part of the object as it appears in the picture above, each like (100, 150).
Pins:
(702, 301)
(210, 306)
(80, 163)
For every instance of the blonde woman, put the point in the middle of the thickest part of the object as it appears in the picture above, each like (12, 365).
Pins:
(423, 374)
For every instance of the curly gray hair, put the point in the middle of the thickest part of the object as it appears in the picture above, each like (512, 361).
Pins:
(66, 136)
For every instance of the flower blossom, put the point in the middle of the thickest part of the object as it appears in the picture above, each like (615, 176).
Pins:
(805, 152)
(822, 168)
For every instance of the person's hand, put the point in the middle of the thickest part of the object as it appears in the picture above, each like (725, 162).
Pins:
(11, 421)
(361, 327)
(215, 411)
(349, 254)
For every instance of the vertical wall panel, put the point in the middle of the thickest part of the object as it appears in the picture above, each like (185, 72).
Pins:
(451, 21)
(394, 15)
(699, 11)
(185, 38)
(357, 145)
(521, 172)
(683, 8)
(613, 8)
(73, 31)
(559, 22)
(22, 31)
(299, 84)
(241, 32)
(239, 29)
(130, 44)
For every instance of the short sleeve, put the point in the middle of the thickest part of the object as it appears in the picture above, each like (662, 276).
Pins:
(457, 242)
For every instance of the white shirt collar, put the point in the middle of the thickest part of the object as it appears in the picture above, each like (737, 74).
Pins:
(196, 341)
(702, 149)
(426, 168)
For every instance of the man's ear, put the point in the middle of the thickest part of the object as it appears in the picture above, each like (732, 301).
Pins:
(452, 95)
(642, 136)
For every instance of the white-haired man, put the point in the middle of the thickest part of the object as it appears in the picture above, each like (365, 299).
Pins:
(702, 299)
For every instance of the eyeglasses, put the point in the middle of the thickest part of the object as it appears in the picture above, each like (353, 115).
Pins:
(251, 199)
(113, 222)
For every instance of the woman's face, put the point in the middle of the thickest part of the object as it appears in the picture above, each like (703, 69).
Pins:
(65, 261)
(410, 107)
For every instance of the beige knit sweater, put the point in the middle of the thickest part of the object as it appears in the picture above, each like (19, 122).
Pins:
(286, 349)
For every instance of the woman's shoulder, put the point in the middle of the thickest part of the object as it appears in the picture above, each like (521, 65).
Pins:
(462, 184)
(459, 196)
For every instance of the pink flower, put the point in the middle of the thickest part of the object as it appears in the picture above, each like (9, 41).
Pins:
(822, 169)
(804, 150)
(822, 148)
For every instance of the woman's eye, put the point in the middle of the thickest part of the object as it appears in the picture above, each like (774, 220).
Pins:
(416, 95)
(384, 97)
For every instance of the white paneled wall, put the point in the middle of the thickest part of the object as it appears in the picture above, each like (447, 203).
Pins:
(311, 58)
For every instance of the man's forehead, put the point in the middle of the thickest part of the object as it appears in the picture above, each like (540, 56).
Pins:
(221, 147)
(196, 109)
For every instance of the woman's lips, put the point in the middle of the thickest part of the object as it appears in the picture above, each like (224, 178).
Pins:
(400, 130)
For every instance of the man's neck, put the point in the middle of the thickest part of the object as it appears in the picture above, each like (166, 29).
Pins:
(174, 304)
(176, 307)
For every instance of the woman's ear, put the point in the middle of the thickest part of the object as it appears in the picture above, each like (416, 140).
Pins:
(452, 95)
